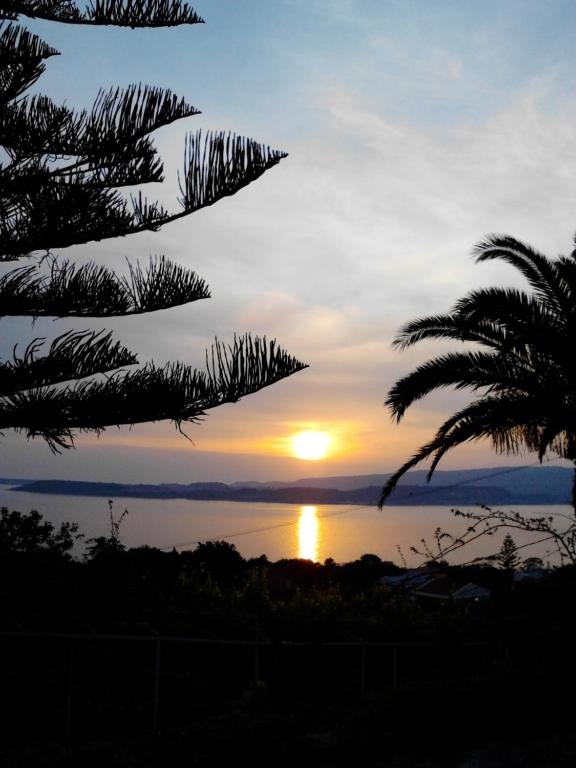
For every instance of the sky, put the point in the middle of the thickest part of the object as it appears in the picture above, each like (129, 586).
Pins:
(414, 129)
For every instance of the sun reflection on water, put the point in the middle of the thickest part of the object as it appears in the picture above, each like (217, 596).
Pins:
(308, 533)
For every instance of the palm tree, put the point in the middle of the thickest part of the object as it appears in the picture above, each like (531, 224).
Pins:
(524, 371)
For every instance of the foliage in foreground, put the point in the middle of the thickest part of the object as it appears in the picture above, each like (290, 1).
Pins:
(556, 532)
(524, 369)
(216, 703)
(213, 588)
(63, 174)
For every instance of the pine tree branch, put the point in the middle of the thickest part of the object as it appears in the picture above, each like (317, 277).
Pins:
(58, 216)
(29, 177)
(216, 167)
(60, 188)
(163, 285)
(115, 125)
(219, 165)
(139, 165)
(113, 131)
(246, 366)
(176, 392)
(121, 13)
(121, 116)
(18, 45)
(74, 355)
(95, 291)
(37, 126)
(21, 60)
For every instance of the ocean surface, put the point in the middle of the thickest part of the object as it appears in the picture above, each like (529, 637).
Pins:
(343, 533)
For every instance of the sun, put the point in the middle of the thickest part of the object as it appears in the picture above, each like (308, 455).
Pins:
(311, 446)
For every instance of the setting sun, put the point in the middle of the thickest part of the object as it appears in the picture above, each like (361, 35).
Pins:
(311, 446)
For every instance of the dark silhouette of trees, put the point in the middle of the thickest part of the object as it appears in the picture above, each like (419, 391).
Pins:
(218, 559)
(62, 174)
(525, 370)
(507, 557)
(31, 534)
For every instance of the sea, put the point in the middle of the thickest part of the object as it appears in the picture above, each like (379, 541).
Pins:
(314, 532)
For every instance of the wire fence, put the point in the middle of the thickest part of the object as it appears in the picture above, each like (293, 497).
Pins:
(160, 665)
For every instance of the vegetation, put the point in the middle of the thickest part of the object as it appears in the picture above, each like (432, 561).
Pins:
(507, 557)
(61, 181)
(524, 371)
(211, 583)
(221, 697)
(560, 537)
(30, 534)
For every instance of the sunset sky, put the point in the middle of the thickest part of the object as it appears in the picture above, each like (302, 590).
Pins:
(413, 129)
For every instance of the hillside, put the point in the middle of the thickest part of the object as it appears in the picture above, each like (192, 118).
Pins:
(525, 485)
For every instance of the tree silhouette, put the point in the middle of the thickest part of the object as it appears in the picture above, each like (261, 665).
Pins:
(507, 558)
(61, 181)
(30, 534)
(526, 373)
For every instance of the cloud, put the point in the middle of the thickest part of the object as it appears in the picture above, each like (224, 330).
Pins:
(409, 141)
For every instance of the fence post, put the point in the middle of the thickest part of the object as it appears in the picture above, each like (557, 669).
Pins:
(70, 692)
(362, 669)
(257, 656)
(157, 671)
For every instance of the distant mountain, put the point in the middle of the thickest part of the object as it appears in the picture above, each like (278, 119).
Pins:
(524, 485)
(531, 479)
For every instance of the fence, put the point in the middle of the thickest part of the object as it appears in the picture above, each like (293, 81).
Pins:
(374, 664)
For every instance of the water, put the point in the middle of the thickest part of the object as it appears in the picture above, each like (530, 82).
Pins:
(277, 530)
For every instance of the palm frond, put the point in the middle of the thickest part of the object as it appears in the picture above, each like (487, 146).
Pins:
(455, 327)
(511, 308)
(461, 370)
(528, 376)
(523, 321)
(540, 271)
(503, 419)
